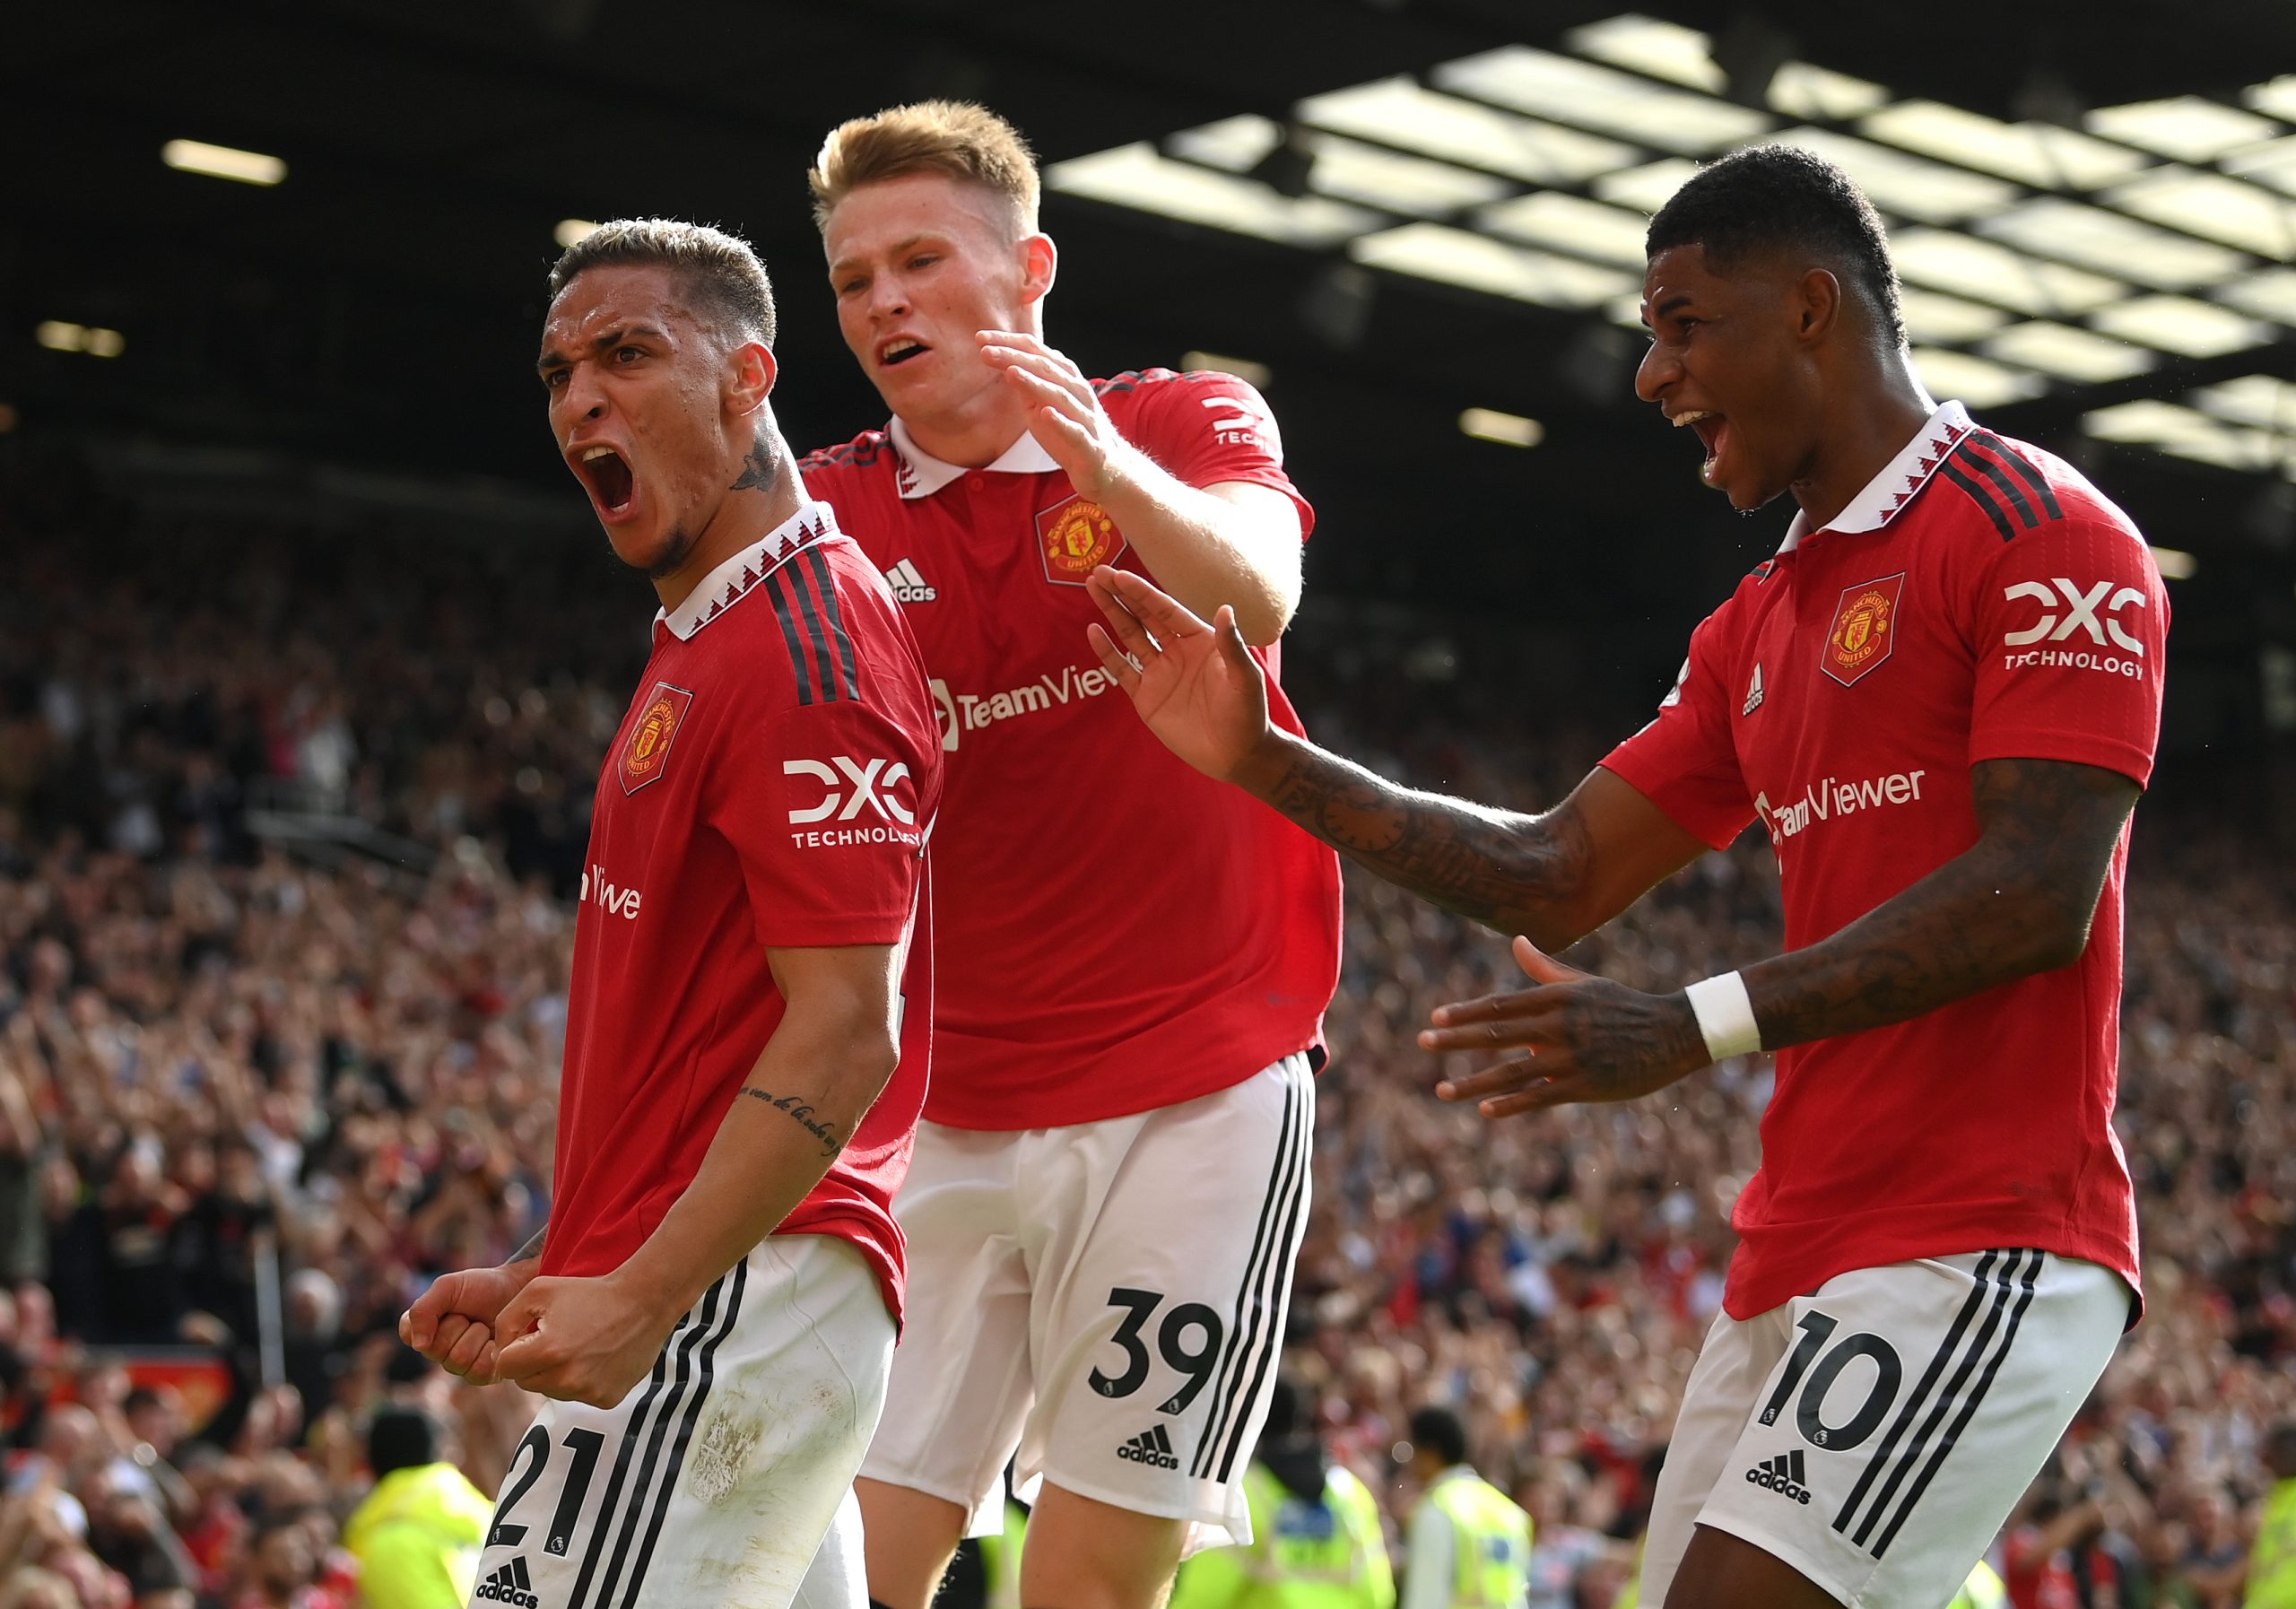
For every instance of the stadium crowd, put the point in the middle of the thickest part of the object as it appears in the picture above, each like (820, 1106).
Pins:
(218, 1058)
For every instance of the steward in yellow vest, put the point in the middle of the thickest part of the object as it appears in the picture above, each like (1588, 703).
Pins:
(2272, 1567)
(1469, 1546)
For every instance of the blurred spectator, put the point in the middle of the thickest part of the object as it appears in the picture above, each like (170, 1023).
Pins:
(418, 1535)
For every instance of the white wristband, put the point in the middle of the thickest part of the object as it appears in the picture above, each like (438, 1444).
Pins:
(1726, 1016)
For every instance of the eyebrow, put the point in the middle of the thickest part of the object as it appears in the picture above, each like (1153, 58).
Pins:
(1677, 300)
(552, 358)
(918, 238)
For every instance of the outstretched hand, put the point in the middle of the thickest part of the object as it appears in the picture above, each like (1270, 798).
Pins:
(1196, 685)
(1585, 1038)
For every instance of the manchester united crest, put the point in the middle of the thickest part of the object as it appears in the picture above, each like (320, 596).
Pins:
(651, 736)
(1074, 536)
(1865, 628)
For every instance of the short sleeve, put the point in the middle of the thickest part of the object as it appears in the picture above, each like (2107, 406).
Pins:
(1205, 427)
(1686, 761)
(2071, 631)
(826, 806)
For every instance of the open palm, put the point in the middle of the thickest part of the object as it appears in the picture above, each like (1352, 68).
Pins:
(1196, 685)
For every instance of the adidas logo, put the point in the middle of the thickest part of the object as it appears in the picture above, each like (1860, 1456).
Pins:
(510, 1585)
(1150, 1447)
(909, 587)
(1783, 1474)
(1753, 693)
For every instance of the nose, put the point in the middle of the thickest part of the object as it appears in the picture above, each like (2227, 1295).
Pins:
(888, 298)
(1658, 369)
(581, 397)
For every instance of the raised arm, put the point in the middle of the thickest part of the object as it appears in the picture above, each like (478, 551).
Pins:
(1233, 542)
(1556, 877)
(590, 1340)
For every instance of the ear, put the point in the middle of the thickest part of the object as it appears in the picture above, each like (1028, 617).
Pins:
(1817, 304)
(750, 373)
(1040, 264)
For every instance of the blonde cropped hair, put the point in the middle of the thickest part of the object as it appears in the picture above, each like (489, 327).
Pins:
(952, 137)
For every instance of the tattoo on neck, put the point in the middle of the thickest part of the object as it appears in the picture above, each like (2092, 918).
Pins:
(761, 469)
(804, 1117)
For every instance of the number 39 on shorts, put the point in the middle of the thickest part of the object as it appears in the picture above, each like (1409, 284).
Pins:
(1188, 1340)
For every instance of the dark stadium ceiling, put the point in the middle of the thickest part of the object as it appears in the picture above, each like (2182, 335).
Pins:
(1452, 186)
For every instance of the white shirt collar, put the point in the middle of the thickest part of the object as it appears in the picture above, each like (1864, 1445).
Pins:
(1901, 478)
(733, 579)
(922, 475)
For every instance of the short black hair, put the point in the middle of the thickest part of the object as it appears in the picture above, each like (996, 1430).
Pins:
(720, 271)
(402, 1438)
(1766, 198)
(1441, 1432)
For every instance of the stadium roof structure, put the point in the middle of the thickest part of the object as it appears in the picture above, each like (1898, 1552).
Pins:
(2038, 255)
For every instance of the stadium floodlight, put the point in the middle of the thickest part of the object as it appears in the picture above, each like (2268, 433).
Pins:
(1656, 50)
(571, 232)
(1804, 90)
(1964, 266)
(1588, 96)
(1934, 318)
(1975, 381)
(2067, 353)
(2175, 564)
(1259, 375)
(2213, 207)
(1571, 223)
(1345, 169)
(2262, 401)
(57, 336)
(2178, 324)
(1458, 257)
(2149, 421)
(223, 161)
(1511, 429)
(2271, 294)
(2271, 164)
(1398, 113)
(2276, 98)
(1138, 176)
(1649, 188)
(2039, 154)
(1910, 186)
(2092, 237)
(1626, 312)
(2185, 126)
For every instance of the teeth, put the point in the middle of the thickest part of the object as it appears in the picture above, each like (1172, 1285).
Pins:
(899, 347)
(597, 452)
(1692, 417)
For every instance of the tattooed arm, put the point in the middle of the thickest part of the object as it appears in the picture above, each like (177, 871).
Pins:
(590, 1340)
(2020, 901)
(1556, 877)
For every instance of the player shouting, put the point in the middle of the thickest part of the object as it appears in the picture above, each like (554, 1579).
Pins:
(1940, 697)
(1111, 1180)
(713, 1312)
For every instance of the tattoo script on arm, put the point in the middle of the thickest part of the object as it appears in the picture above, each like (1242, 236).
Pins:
(1507, 871)
(2018, 901)
(803, 1115)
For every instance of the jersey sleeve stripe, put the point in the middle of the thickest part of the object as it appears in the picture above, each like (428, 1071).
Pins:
(2000, 478)
(1977, 495)
(834, 612)
(816, 634)
(2023, 466)
(775, 588)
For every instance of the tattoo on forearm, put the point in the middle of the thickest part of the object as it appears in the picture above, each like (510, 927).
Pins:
(2019, 901)
(761, 468)
(804, 1115)
(1496, 868)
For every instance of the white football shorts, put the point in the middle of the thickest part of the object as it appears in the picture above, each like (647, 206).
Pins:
(1876, 1435)
(1106, 1299)
(717, 1479)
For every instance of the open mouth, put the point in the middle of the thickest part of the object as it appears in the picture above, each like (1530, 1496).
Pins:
(897, 353)
(1711, 429)
(608, 478)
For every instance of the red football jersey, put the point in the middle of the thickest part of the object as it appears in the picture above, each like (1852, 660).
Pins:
(772, 787)
(1980, 600)
(1118, 932)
